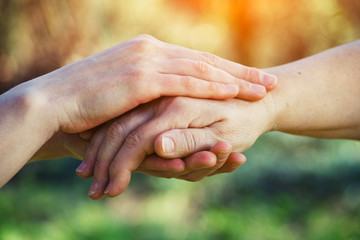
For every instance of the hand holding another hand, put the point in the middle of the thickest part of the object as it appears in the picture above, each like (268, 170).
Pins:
(103, 86)
(173, 128)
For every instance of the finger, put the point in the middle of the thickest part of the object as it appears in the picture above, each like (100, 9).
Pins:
(237, 70)
(136, 147)
(114, 139)
(155, 163)
(85, 170)
(155, 168)
(189, 86)
(221, 151)
(166, 168)
(179, 143)
(88, 134)
(199, 160)
(205, 71)
(234, 161)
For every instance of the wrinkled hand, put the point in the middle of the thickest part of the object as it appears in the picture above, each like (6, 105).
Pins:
(197, 125)
(106, 85)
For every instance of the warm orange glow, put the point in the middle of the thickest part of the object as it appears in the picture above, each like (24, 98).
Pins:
(39, 36)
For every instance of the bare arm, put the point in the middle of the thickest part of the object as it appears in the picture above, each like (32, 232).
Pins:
(26, 123)
(319, 96)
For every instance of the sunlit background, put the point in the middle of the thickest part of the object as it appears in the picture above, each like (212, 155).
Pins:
(290, 188)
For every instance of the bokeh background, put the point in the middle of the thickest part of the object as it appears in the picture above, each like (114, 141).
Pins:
(290, 188)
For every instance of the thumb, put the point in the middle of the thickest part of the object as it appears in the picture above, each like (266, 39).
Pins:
(178, 143)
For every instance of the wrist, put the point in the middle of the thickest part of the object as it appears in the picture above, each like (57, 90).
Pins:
(274, 102)
(37, 98)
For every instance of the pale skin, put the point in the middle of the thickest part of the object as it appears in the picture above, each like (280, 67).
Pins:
(38, 117)
(317, 96)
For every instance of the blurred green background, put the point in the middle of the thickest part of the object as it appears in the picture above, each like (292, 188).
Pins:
(290, 188)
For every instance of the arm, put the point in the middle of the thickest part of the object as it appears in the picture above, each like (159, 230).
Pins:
(26, 123)
(317, 96)
(96, 89)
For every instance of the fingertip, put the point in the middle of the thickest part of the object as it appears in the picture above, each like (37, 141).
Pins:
(81, 168)
(221, 147)
(84, 171)
(200, 160)
(119, 183)
(268, 80)
(176, 165)
(108, 188)
(236, 160)
(251, 91)
(258, 91)
(242, 159)
(222, 151)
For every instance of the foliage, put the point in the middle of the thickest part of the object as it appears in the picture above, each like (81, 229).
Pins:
(291, 188)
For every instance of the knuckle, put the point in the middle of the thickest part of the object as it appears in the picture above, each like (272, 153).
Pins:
(143, 44)
(187, 82)
(201, 67)
(250, 73)
(116, 131)
(145, 36)
(213, 89)
(209, 58)
(134, 139)
(101, 167)
(190, 142)
(246, 72)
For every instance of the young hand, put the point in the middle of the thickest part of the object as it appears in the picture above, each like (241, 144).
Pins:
(106, 85)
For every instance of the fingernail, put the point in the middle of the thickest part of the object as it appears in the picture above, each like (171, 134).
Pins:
(168, 145)
(232, 88)
(93, 189)
(268, 80)
(108, 188)
(82, 167)
(261, 90)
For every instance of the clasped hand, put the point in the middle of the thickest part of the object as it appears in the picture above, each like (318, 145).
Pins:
(103, 88)
(173, 128)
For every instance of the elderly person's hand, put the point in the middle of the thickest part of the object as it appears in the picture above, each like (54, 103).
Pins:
(198, 125)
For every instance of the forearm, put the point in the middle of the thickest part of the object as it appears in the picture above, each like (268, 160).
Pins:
(25, 125)
(319, 95)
